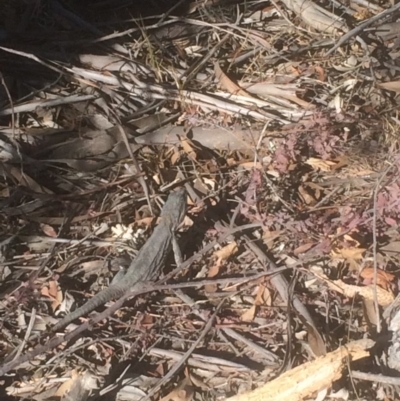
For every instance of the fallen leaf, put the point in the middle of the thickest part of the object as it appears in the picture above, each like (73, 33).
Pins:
(320, 72)
(78, 387)
(307, 197)
(263, 296)
(383, 278)
(225, 252)
(315, 340)
(184, 392)
(221, 255)
(188, 148)
(251, 165)
(351, 240)
(391, 222)
(248, 316)
(53, 292)
(67, 385)
(319, 164)
(370, 312)
(48, 230)
(270, 236)
(146, 221)
(303, 248)
(214, 270)
(175, 156)
(390, 86)
(227, 83)
(351, 255)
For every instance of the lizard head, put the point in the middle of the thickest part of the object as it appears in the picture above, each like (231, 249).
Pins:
(174, 209)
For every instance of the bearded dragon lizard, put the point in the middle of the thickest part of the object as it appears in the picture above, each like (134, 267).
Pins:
(148, 263)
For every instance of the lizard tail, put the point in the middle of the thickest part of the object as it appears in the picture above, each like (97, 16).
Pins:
(99, 299)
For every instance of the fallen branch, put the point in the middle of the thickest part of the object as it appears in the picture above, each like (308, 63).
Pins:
(304, 380)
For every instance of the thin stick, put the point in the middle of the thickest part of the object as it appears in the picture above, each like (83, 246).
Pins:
(358, 29)
(374, 246)
(186, 355)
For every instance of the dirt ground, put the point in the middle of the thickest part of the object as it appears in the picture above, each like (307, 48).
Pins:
(281, 121)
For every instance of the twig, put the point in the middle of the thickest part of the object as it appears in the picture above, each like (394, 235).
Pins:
(375, 244)
(57, 340)
(191, 72)
(202, 361)
(27, 334)
(187, 354)
(358, 29)
(208, 247)
(355, 374)
(140, 177)
(23, 108)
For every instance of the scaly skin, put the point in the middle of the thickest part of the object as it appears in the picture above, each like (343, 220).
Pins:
(148, 263)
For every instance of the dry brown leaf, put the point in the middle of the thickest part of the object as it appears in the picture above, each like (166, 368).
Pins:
(187, 221)
(227, 83)
(189, 148)
(390, 86)
(53, 292)
(78, 387)
(211, 184)
(250, 165)
(175, 156)
(320, 72)
(221, 255)
(263, 296)
(184, 392)
(341, 161)
(270, 236)
(319, 164)
(383, 278)
(363, 14)
(370, 312)
(53, 289)
(351, 255)
(214, 270)
(249, 315)
(391, 250)
(351, 240)
(303, 248)
(48, 230)
(67, 385)
(225, 252)
(315, 340)
(307, 197)
(146, 222)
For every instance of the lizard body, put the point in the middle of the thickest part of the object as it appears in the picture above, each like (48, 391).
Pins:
(148, 263)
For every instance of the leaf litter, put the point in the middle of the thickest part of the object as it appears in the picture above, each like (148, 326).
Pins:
(281, 121)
